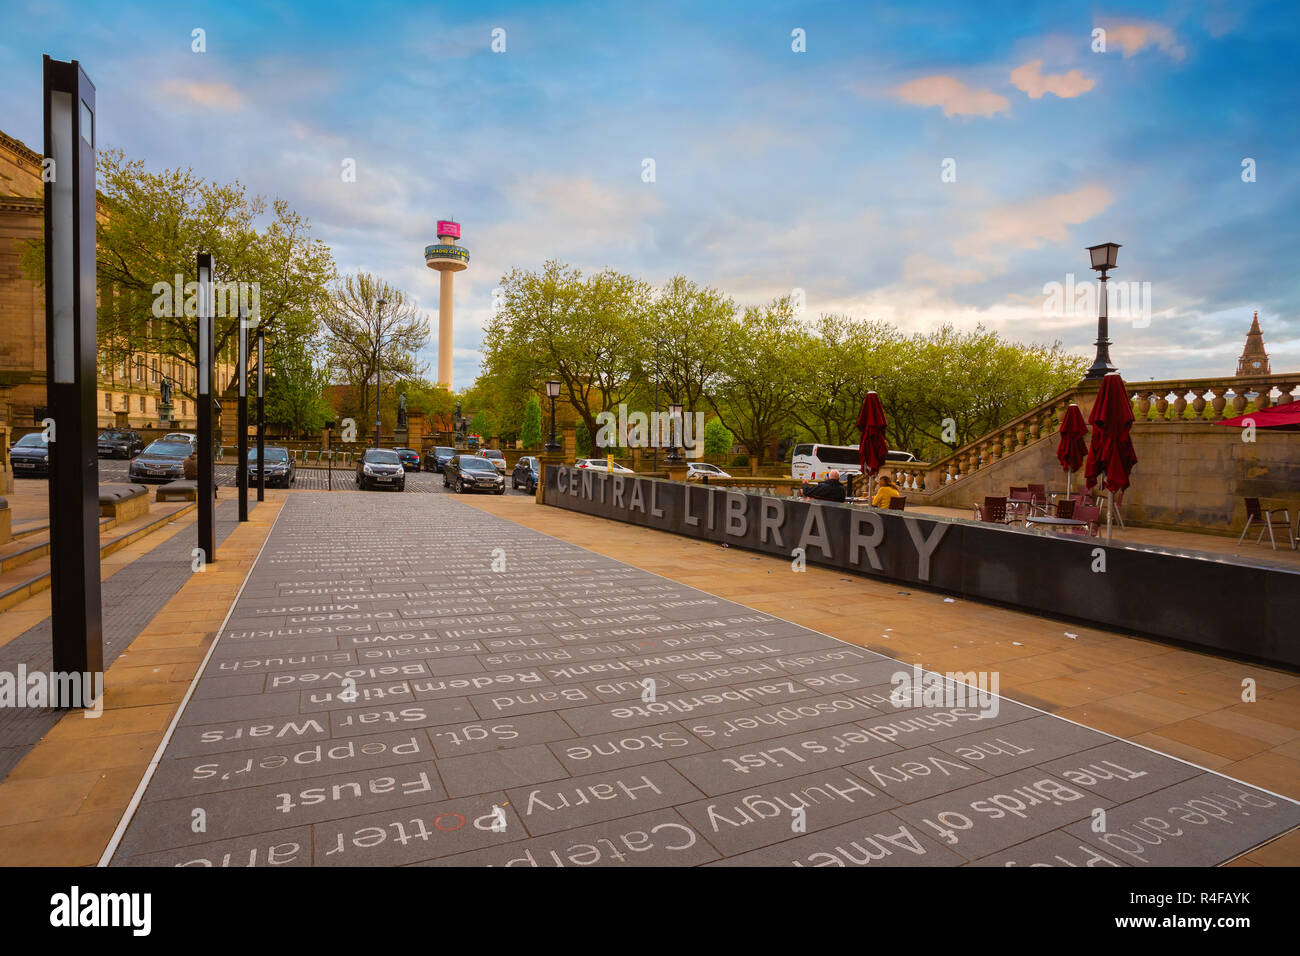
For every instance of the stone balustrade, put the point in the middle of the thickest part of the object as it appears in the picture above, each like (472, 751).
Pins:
(1169, 400)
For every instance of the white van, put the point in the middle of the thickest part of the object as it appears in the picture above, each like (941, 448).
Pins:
(815, 462)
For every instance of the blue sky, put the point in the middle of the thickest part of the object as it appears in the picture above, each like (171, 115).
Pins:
(774, 170)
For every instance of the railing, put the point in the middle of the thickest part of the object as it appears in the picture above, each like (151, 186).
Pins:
(759, 485)
(1154, 402)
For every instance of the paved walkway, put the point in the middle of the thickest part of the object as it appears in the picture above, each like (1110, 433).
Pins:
(412, 680)
(129, 600)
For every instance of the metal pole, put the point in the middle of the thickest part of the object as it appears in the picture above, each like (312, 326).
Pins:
(242, 472)
(379, 352)
(1101, 365)
(261, 413)
(70, 369)
(206, 360)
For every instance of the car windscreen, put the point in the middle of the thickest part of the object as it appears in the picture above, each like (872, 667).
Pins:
(476, 464)
(272, 454)
(492, 453)
(838, 456)
(803, 449)
(167, 449)
(35, 440)
(381, 457)
(115, 436)
(444, 450)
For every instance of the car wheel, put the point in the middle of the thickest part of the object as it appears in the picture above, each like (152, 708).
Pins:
(501, 490)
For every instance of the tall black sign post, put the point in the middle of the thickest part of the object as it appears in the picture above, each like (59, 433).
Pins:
(207, 359)
(70, 375)
(261, 412)
(242, 469)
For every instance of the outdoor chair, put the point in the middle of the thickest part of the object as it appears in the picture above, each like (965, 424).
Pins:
(1256, 512)
(1038, 498)
(1088, 513)
(898, 503)
(994, 511)
(1021, 503)
(1065, 507)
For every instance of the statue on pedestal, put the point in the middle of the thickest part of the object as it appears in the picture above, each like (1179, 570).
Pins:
(401, 410)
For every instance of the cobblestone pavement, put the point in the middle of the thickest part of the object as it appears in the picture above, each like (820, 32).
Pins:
(432, 684)
(128, 599)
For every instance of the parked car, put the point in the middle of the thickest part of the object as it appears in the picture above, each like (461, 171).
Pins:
(495, 456)
(181, 436)
(410, 458)
(602, 464)
(698, 470)
(380, 468)
(163, 460)
(472, 473)
(30, 456)
(527, 473)
(280, 468)
(120, 443)
(437, 459)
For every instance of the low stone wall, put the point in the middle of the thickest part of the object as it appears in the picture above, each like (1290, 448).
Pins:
(1240, 609)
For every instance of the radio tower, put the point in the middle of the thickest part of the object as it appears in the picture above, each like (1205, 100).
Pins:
(448, 258)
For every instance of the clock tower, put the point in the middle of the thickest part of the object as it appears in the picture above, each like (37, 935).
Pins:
(1254, 360)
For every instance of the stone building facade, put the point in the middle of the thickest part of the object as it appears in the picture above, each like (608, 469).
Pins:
(128, 392)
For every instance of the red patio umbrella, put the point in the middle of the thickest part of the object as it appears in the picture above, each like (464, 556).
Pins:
(1110, 455)
(1071, 450)
(1275, 416)
(873, 448)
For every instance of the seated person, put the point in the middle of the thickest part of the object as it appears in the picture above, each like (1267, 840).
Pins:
(828, 490)
(885, 493)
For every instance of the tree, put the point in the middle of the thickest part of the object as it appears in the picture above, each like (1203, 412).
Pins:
(717, 438)
(531, 431)
(365, 339)
(483, 425)
(295, 383)
(687, 326)
(756, 389)
(153, 227)
(586, 333)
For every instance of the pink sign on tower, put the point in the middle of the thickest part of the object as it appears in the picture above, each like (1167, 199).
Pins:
(448, 228)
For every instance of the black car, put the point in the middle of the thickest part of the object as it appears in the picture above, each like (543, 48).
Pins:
(437, 459)
(410, 458)
(163, 460)
(30, 456)
(279, 467)
(527, 470)
(120, 443)
(471, 473)
(380, 468)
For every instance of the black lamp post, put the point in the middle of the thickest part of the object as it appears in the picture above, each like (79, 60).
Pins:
(674, 419)
(379, 339)
(553, 392)
(261, 413)
(329, 441)
(241, 479)
(1103, 259)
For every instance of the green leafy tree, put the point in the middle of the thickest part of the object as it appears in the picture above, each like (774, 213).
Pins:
(295, 384)
(717, 438)
(483, 425)
(531, 431)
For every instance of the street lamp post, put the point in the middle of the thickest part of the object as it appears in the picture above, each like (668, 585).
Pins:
(379, 340)
(241, 479)
(553, 392)
(261, 413)
(674, 418)
(1103, 260)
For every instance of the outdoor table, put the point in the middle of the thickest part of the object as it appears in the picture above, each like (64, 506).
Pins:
(1060, 522)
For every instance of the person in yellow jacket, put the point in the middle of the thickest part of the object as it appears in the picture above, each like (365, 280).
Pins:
(885, 493)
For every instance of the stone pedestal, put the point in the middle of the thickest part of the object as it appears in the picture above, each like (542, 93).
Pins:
(570, 442)
(545, 460)
(676, 470)
(401, 436)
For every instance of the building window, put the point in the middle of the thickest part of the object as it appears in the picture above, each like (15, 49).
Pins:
(154, 371)
(185, 407)
(108, 401)
(141, 403)
(126, 403)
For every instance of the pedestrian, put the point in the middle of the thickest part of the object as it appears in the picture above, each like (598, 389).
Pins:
(828, 490)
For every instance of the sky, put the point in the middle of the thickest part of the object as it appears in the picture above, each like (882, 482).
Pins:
(921, 163)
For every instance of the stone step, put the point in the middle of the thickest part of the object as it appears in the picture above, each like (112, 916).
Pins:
(20, 579)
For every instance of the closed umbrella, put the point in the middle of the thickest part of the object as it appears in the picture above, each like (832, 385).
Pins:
(1110, 454)
(873, 447)
(1071, 449)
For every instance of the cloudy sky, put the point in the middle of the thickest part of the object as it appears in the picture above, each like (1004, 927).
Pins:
(918, 162)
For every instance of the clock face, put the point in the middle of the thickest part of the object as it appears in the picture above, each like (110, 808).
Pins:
(1256, 363)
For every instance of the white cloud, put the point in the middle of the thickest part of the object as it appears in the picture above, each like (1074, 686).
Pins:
(1135, 36)
(954, 96)
(1030, 78)
(220, 96)
(1030, 223)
